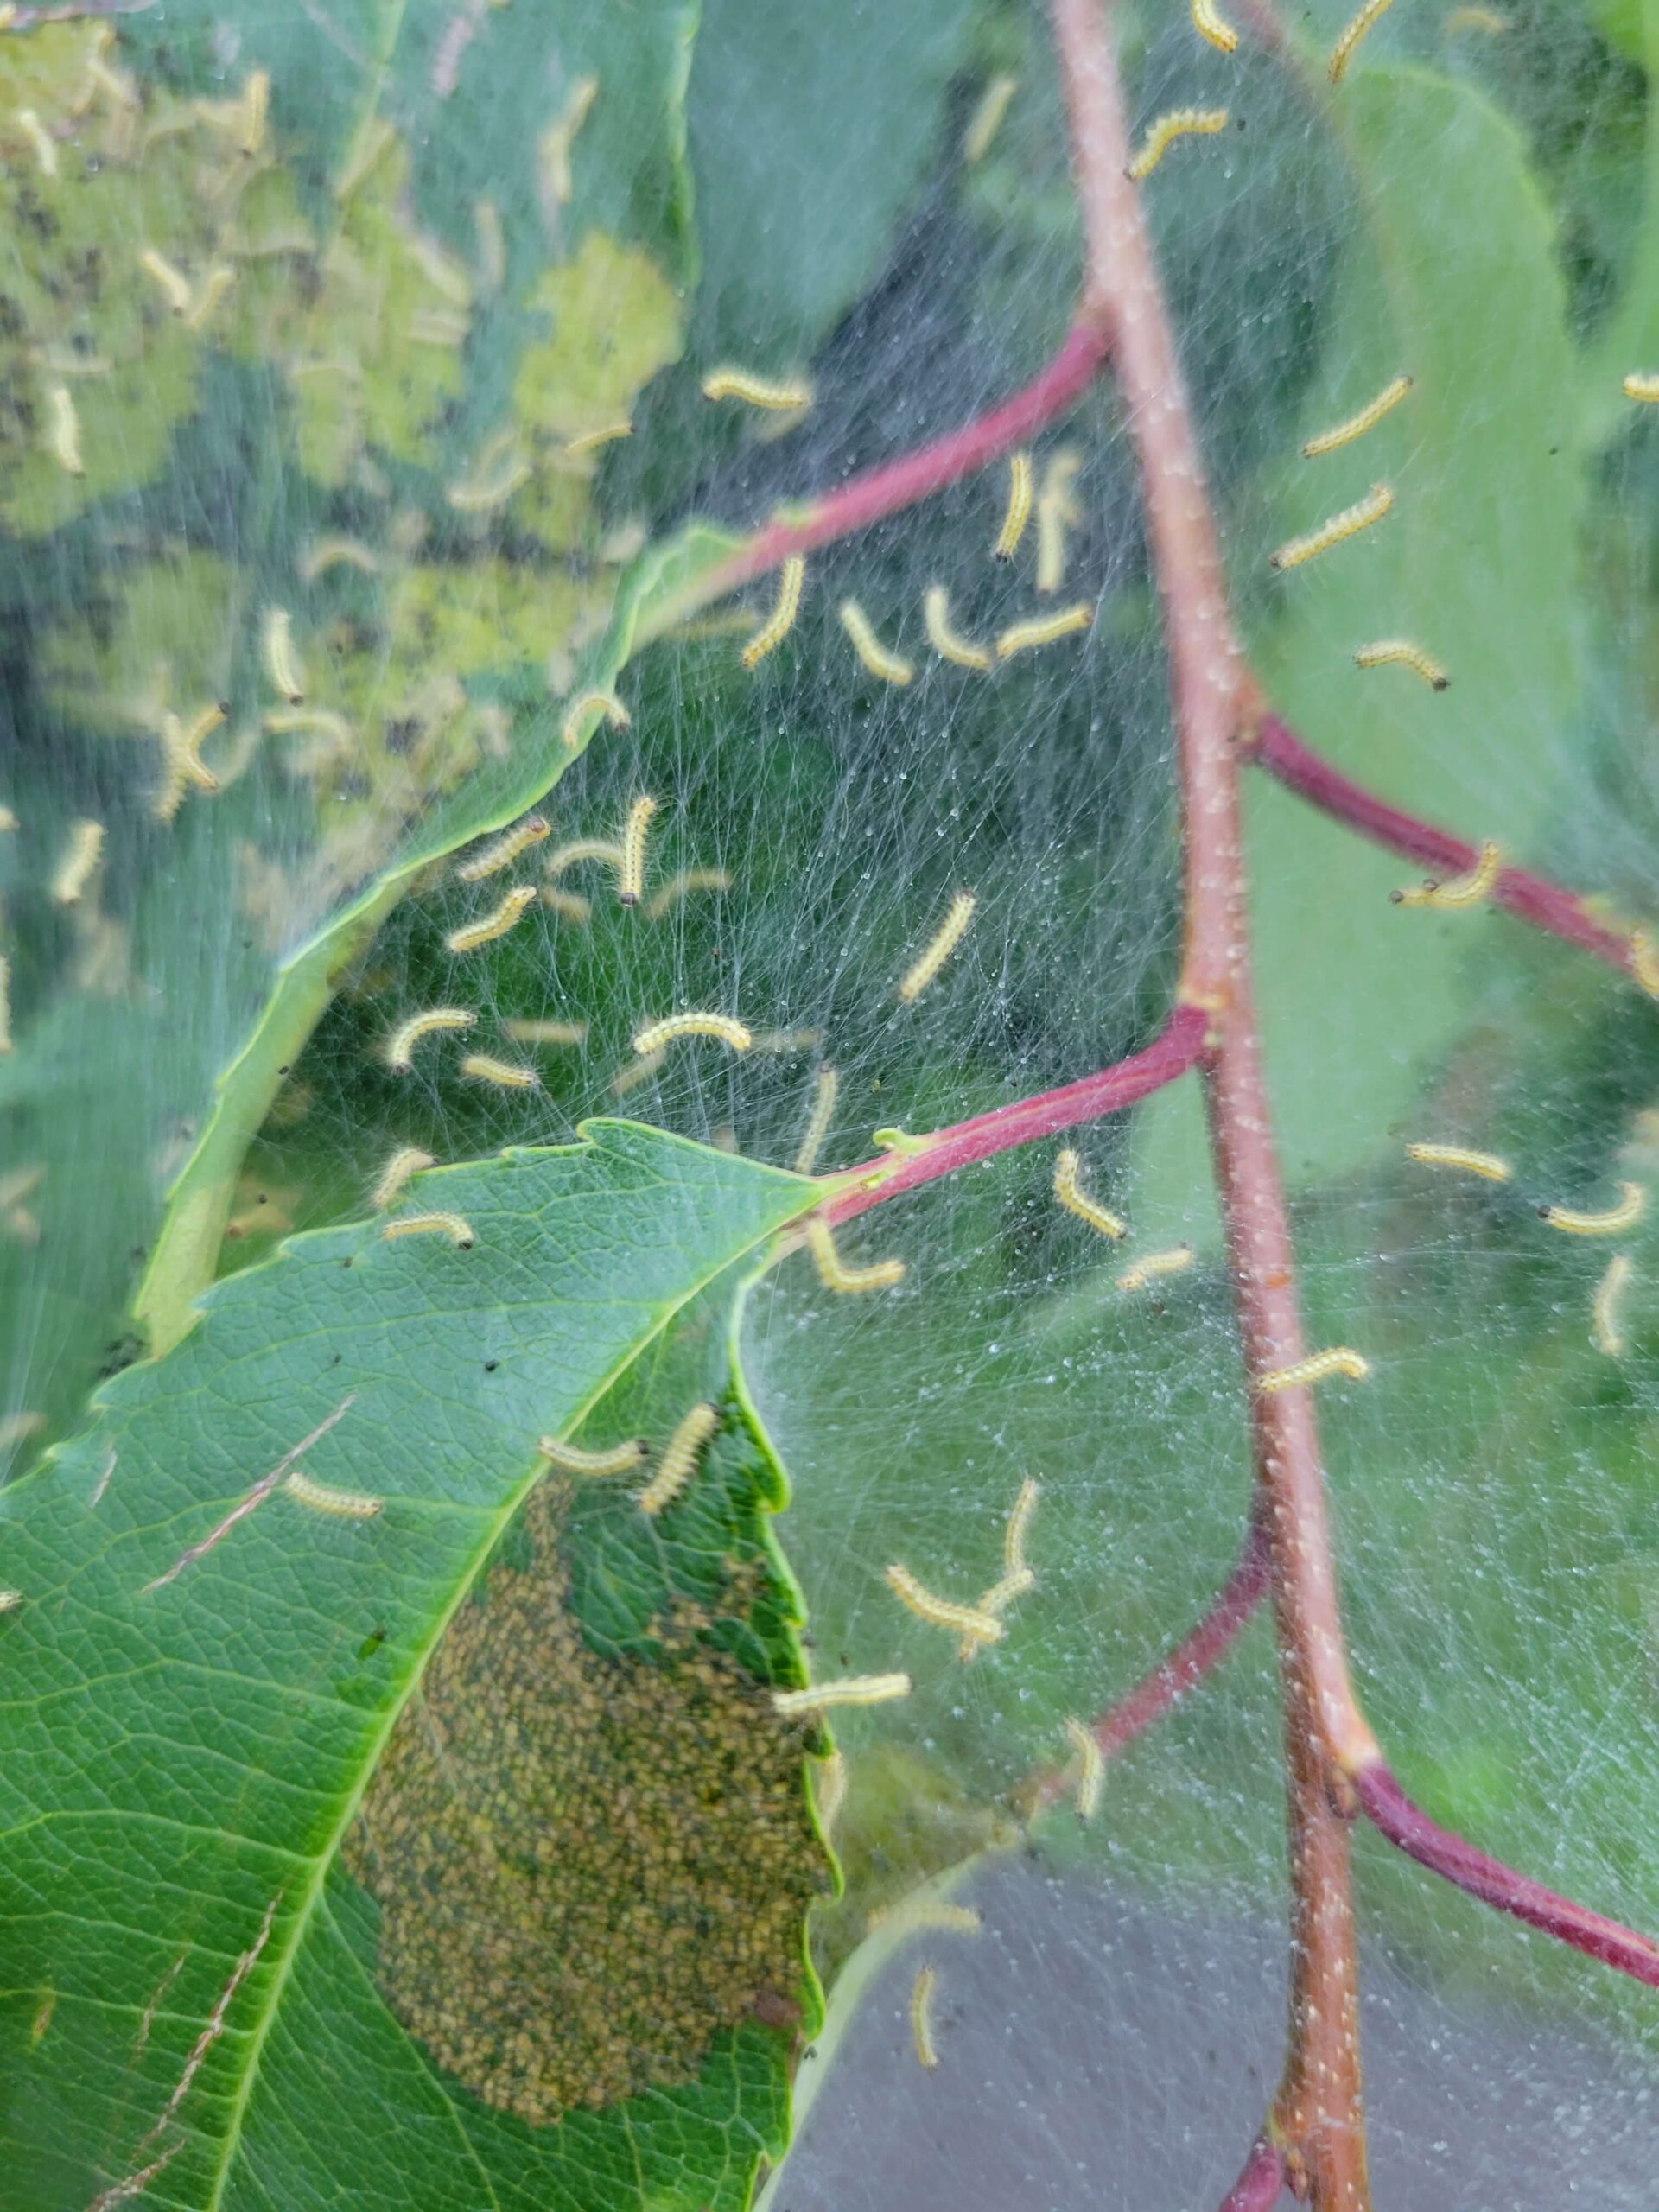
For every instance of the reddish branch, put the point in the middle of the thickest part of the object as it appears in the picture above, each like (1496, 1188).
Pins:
(1200, 1652)
(1546, 906)
(1403, 1823)
(1170, 1055)
(1317, 2112)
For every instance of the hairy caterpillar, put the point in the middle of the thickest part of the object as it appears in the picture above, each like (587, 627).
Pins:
(481, 494)
(1057, 512)
(731, 383)
(337, 554)
(891, 668)
(987, 119)
(1348, 524)
(1019, 507)
(1644, 962)
(400, 1046)
(921, 2017)
(583, 849)
(1092, 1769)
(41, 143)
(941, 1612)
(607, 434)
(568, 905)
(617, 1459)
(936, 617)
(833, 1271)
(636, 1072)
(451, 1225)
(571, 731)
(1639, 385)
(481, 1067)
(910, 1918)
(852, 1690)
(281, 666)
(323, 1497)
(500, 919)
(1178, 123)
(555, 143)
(678, 887)
(1018, 1521)
(544, 1033)
(1467, 890)
(1452, 1155)
(407, 1161)
(829, 1791)
(173, 284)
(826, 1085)
(1632, 1201)
(1042, 630)
(781, 621)
(1342, 52)
(504, 850)
(1341, 1359)
(63, 430)
(1605, 1331)
(75, 870)
(939, 947)
(1070, 1194)
(631, 868)
(729, 1032)
(679, 1460)
(1365, 418)
(214, 285)
(1212, 26)
(1400, 652)
(1156, 1264)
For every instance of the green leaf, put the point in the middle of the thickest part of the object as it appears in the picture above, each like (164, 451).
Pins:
(212, 1750)
(1477, 564)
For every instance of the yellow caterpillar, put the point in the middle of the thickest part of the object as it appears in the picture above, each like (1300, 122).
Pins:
(939, 947)
(1178, 123)
(1341, 1359)
(1365, 419)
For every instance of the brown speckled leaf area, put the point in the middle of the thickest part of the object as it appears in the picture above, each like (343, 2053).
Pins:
(586, 1868)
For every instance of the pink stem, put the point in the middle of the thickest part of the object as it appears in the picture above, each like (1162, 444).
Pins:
(1199, 1653)
(1171, 1054)
(1546, 906)
(918, 475)
(1259, 2184)
(1388, 1807)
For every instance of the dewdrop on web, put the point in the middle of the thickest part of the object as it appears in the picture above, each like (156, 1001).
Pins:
(1365, 418)
(939, 947)
(1178, 123)
(781, 621)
